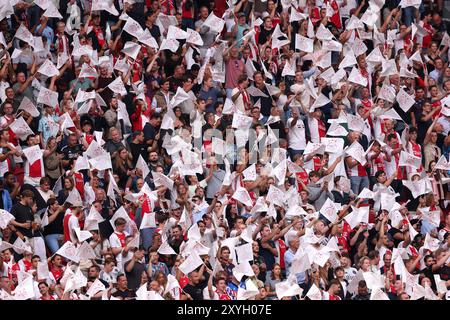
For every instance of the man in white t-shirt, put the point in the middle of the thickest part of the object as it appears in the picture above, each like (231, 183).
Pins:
(71, 222)
(297, 137)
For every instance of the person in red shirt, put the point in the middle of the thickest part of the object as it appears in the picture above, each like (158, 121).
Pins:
(333, 291)
(187, 14)
(426, 40)
(302, 175)
(56, 267)
(221, 288)
(343, 230)
(44, 290)
(314, 12)
(23, 264)
(414, 148)
(97, 31)
(336, 17)
(87, 137)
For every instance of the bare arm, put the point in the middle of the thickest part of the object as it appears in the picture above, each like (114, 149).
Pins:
(429, 131)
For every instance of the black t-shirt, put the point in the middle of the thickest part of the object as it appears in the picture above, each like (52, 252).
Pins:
(174, 83)
(134, 277)
(264, 35)
(394, 231)
(71, 153)
(23, 214)
(196, 292)
(428, 272)
(268, 256)
(124, 294)
(56, 226)
(149, 132)
(155, 32)
(266, 102)
(280, 127)
(138, 149)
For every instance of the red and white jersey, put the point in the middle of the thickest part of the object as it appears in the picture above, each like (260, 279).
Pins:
(392, 166)
(379, 127)
(357, 171)
(327, 296)
(79, 183)
(304, 177)
(117, 239)
(22, 265)
(56, 274)
(317, 129)
(6, 165)
(416, 150)
(377, 163)
(34, 171)
(70, 223)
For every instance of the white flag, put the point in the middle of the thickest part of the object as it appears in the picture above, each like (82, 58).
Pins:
(192, 262)
(82, 235)
(52, 12)
(176, 33)
(357, 215)
(241, 195)
(29, 107)
(250, 173)
(69, 251)
(348, 61)
(24, 34)
(179, 97)
(214, 23)
(404, 100)
(88, 72)
(33, 153)
(133, 27)
(47, 97)
(443, 163)
(366, 194)
(170, 44)
(147, 39)
(409, 160)
(194, 37)
(314, 293)
(142, 165)
(117, 86)
(323, 33)
(5, 218)
(131, 49)
(95, 287)
(107, 5)
(356, 77)
(84, 96)
(21, 128)
(329, 210)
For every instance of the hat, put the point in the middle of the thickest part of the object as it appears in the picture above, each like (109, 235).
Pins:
(240, 14)
(176, 206)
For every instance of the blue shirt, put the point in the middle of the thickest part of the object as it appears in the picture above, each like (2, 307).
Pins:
(45, 128)
(160, 266)
(288, 259)
(47, 32)
(212, 94)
